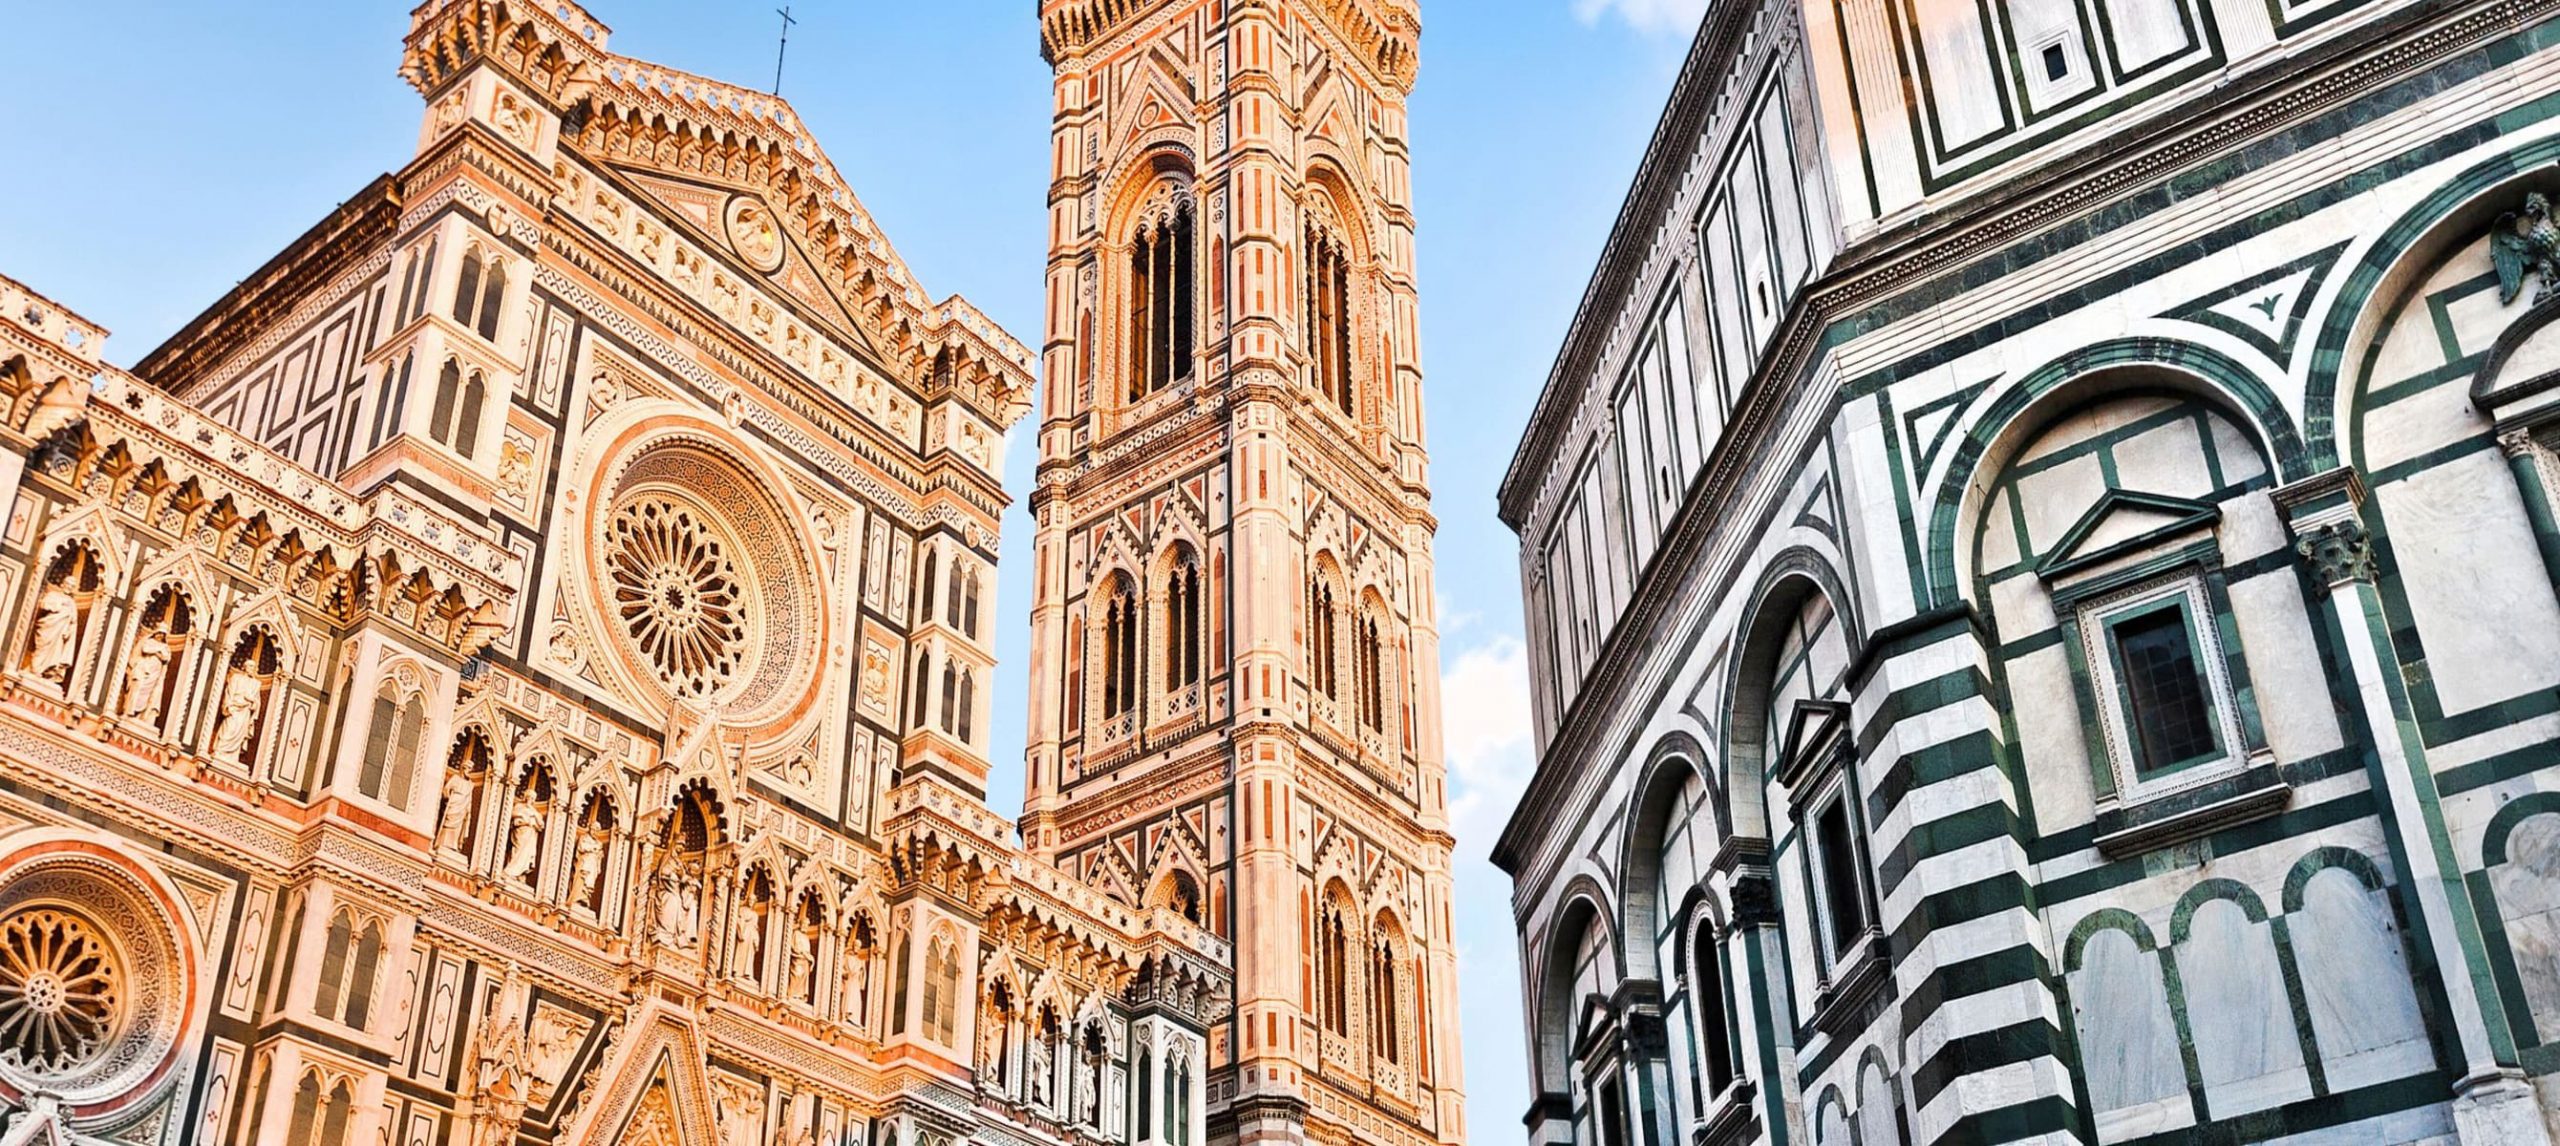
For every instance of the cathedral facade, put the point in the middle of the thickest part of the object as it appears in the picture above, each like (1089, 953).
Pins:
(2040, 561)
(516, 669)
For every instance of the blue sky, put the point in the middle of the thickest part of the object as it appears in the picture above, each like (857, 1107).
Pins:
(161, 151)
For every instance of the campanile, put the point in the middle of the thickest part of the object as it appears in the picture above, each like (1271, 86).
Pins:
(1235, 710)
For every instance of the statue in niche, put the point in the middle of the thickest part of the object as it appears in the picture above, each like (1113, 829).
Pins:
(804, 959)
(146, 672)
(243, 696)
(57, 635)
(587, 875)
(459, 789)
(747, 943)
(741, 1113)
(679, 896)
(1037, 1073)
(524, 839)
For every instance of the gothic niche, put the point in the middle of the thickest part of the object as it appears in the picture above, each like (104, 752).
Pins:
(587, 861)
(150, 677)
(247, 692)
(526, 815)
(63, 603)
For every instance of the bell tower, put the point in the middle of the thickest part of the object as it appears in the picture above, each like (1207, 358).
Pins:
(1235, 710)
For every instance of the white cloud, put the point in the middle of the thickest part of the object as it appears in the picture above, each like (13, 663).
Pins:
(1484, 697)
(1659, 17)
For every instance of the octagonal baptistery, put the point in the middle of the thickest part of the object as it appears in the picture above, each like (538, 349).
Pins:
(697, 574)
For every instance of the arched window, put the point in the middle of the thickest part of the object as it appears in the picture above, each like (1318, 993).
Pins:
(1707, 1009)
(306, 1112)
(941, 991)
(1320, 637)
(448, 393)
(1146, 1090)
(1120, 687)
(1177, 1102)
(1334, 967)
(330, 997)
(1385, 1034)
(1182, 622)
(925, 585)
(923, 688)
(466, 290)
(479, 295)
(361, 973)
(968, 706)
(1327, 323)
(335, 1116)
(951, 595)
(1366, 663)
(1075, 675)
(969, 605)
(1160, 278)
(466, 429)
(391, 749)
(950, 696)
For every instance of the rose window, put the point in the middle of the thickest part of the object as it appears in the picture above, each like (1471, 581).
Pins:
(677, 593)
(61, 990)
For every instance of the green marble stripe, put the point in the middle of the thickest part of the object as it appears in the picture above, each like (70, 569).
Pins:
(1962, 904)
(1912, 700)
(1941, 836)
(2535, 757)
(1946, 760)
(2034, 1118)
(1984, 1051)
(2431, 459)
(1965, 978)
(2320, 1112)
(2287, 827)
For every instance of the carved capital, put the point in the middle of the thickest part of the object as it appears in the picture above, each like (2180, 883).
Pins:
(2516, 441)
(1755, 900)
(2339, 552)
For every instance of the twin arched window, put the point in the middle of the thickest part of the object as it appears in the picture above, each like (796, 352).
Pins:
(391, 748)
(959, 700)
(1368, 679)
(349, 964)
(479, 297)
(1327, 322)
(1120, 687)
(1333, 941)
(1160, 293)
(960, 600)
(455, 419)
(1385, 1033)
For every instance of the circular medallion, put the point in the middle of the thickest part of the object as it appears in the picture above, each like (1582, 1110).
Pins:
(755, 234)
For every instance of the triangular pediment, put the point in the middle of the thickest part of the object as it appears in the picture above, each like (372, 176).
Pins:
(2121, 522)
(708, 216)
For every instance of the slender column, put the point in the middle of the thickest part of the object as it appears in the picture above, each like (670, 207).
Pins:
(2493, 1102)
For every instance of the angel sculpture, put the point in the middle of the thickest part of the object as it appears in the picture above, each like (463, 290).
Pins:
(2526, 242)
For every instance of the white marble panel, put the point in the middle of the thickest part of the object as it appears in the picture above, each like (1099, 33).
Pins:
(2236, 451)
(2055, 499)
(2167, 459)
(2475, 581)
(1962, 84)
(2528, 891)
(2355, 980)
(2147, 31)
(2295, 704)
(2052, 739)
(2247, 1051)
(2409, 427)
(2128, 1047)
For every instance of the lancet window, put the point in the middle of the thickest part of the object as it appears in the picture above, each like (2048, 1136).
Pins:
(478, 298)
(1322, 639)
(1182, 617)
(1327, 321)
(1160, 294)
(391, 747)
(1366, 667)
(1120, 646)
(455, 418)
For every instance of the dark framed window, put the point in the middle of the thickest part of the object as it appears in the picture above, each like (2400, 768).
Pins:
(2168, 702)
